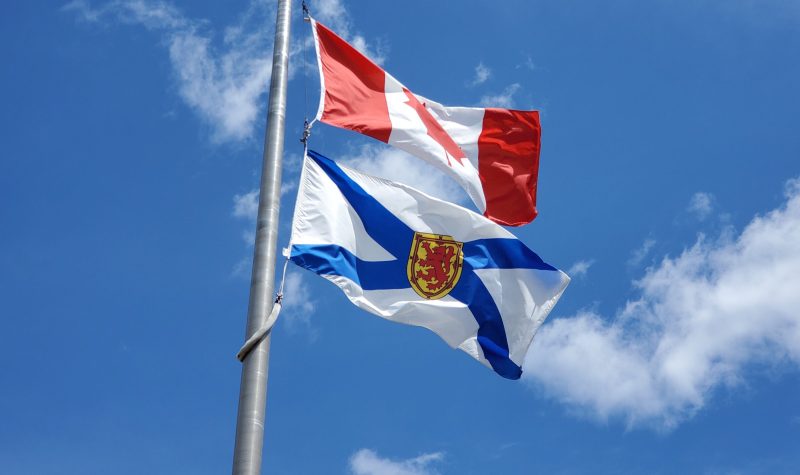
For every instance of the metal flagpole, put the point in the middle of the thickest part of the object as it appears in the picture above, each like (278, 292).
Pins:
(253, 389)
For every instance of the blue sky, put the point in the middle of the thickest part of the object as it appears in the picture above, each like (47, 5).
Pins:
(669, 190)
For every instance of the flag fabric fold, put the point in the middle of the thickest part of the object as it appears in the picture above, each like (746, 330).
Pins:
(411, 258)
(492, 153)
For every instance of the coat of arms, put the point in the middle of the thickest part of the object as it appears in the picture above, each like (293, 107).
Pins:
(434, 264)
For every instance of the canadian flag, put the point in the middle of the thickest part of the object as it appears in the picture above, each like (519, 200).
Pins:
(492, 153)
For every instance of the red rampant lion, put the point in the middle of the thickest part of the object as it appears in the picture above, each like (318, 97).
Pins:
(435, 266)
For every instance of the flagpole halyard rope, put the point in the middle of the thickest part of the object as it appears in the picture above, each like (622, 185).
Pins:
(306, 18)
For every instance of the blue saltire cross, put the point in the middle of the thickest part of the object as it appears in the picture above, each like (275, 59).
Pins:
(396, 237)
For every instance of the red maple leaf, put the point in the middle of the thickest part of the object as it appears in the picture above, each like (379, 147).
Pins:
(435, 130)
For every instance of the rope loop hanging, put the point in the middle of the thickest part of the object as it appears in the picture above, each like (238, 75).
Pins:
(265, 329)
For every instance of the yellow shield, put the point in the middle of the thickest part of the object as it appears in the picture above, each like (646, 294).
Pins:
(434, 264)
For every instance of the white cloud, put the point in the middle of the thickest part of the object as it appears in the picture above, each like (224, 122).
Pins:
(701, 205)
(249, 236)
(580, 268)
(246, 205)
(703, 320)
(527, 64)
(396, 165)
(151, 14)
(83, 10)
(639, 254)
(223, 82)
(504, 99)
(367, 462)
(242, 268)
(288, 186)
(482, 74)
(298, 304)
(334, 15)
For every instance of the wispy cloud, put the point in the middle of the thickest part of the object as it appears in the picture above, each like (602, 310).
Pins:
(527, 64)
(701, 205)
(638, 255)
(298, 305)
(580, 268)
(333, 14)
(292, 166)
(221, 77)
(702, 320)
(396, 165)
(288, 186)
(482, 74)
(504, 99)
(246, 205)
(367, 462)
(242, 268)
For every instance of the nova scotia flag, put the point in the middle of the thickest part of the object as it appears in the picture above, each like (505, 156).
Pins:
(411, 258)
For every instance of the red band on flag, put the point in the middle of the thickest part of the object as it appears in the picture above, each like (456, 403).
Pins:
(508, 148)
(355, 95)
